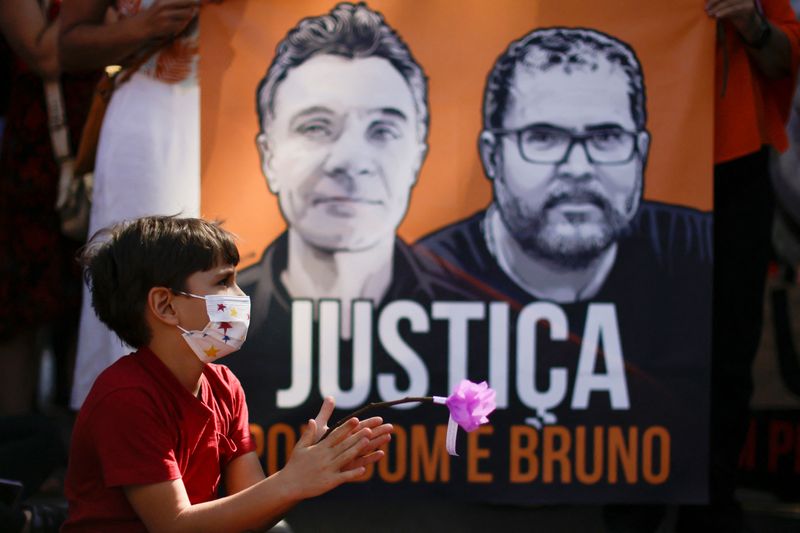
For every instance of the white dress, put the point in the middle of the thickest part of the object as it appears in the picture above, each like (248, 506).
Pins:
(148, 163)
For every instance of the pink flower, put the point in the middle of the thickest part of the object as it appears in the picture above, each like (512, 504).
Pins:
(471, 403)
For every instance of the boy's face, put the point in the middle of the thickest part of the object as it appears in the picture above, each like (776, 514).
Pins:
(220, 279)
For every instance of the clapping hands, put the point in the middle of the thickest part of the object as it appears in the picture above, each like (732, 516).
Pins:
(317, 466)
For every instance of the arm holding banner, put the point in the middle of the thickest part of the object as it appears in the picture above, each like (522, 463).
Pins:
(87, 41)
(34, 40)
(768, 33)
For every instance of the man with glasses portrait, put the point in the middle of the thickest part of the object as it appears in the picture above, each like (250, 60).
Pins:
(565, 145)
(626, 281)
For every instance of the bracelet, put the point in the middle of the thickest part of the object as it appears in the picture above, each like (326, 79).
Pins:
(763, 37)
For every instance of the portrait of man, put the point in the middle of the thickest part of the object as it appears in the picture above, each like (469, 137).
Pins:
(565, 145)
(343, 123)
(343, 118)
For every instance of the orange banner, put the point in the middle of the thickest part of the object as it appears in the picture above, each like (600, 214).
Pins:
(456, 43)
(515, 191)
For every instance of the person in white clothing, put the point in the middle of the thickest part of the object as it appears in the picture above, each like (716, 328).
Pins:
(148, 154)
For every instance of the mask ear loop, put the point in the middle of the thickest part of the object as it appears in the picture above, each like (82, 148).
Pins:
(189, 294)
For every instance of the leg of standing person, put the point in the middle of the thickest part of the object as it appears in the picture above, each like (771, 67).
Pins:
(30, 449)
(20, 371)
(743, 209)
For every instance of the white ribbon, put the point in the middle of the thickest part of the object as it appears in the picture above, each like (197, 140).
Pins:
(450, 440)
(452, 428)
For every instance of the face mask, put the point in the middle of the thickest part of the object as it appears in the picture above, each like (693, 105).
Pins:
(229, 318)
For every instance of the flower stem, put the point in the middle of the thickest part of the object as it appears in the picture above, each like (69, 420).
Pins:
(375, 405)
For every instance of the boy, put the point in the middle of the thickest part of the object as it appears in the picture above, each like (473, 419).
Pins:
(161, 427)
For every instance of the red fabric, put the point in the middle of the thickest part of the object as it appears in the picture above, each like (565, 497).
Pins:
(139, 425)
(754, 109)
(37, 263)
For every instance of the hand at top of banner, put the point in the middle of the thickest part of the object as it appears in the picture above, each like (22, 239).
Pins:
(741, 13)
(166, 18)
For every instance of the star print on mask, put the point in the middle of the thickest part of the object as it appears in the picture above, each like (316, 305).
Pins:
(225, 326)
(226, 330)
(212, 351)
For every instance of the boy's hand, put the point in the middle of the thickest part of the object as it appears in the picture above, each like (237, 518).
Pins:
(323, 416)
(381, 434)
(314, 469)
(315, 466)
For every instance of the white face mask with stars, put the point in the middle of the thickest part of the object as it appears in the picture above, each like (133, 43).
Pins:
(229, 318)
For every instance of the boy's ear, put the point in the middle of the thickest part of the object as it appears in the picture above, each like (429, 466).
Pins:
(159, 305)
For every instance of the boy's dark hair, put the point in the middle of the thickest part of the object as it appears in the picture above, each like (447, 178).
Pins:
(123, 262)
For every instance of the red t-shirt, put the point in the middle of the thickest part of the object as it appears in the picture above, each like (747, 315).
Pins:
(139, 425)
